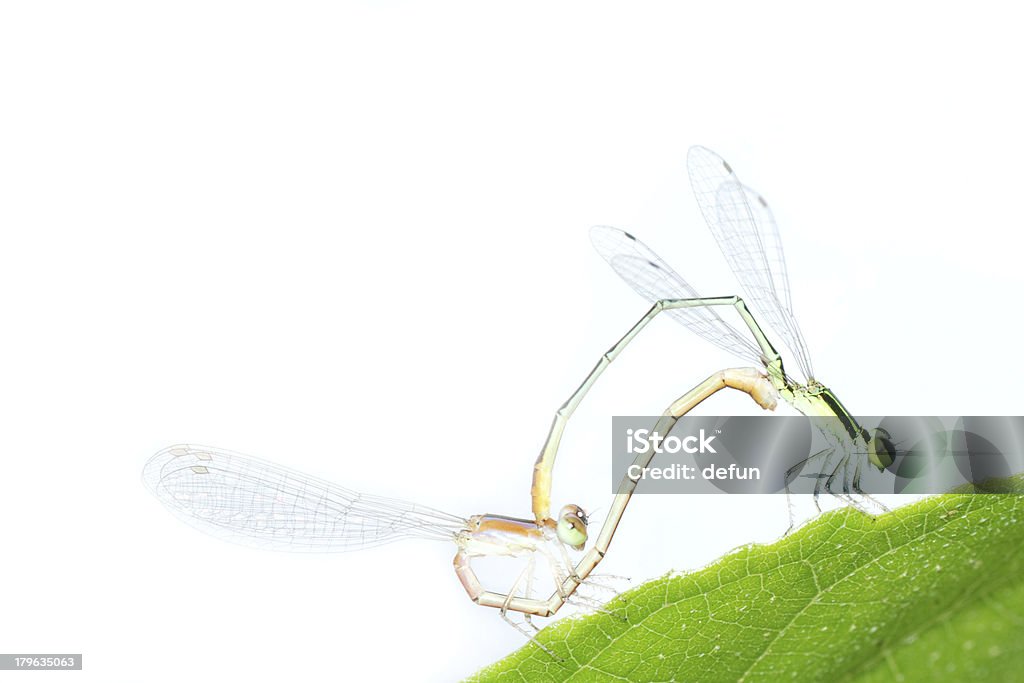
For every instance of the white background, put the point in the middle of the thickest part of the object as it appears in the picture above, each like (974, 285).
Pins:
(353, 239)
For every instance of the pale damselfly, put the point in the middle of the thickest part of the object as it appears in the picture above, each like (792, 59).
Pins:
(257, 503)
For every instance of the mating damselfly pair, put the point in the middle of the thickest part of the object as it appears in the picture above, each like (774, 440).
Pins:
(258, 503)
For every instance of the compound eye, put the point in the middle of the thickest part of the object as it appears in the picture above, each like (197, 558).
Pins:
(572, 526)
(881, 450)
(574, 511)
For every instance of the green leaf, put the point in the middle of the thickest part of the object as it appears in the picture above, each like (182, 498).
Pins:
(932, 591)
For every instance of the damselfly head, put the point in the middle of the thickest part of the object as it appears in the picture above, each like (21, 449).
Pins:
(881, 450)
(572, 526)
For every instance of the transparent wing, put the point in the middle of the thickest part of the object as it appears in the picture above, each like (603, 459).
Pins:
(258, 503)
(745, 229)
(653, 279)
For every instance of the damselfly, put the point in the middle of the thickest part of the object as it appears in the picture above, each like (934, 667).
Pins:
(745, 230)
(258, 503)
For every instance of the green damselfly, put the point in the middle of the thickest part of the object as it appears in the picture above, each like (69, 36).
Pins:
(744, 227)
